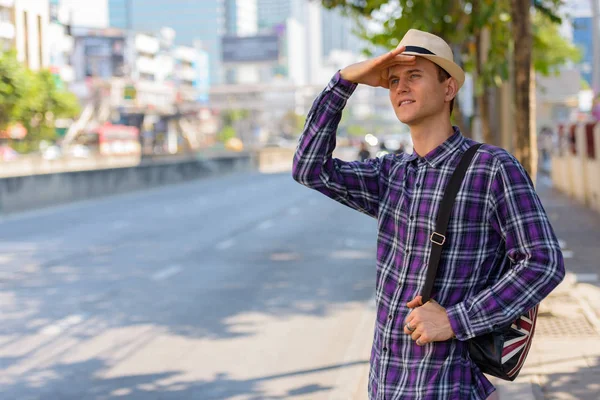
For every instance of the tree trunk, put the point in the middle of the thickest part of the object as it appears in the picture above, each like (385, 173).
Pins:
(522, 37)
(483, 93)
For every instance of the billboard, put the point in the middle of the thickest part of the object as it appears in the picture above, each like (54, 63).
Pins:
(262, 48)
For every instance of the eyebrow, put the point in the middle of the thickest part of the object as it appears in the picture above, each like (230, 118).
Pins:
(410, 71)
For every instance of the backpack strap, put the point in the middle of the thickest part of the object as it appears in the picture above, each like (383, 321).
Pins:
(438, 237)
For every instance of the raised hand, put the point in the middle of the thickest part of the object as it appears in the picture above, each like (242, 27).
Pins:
(375, 71)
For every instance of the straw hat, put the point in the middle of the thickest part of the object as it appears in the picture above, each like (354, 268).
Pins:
(433, 48)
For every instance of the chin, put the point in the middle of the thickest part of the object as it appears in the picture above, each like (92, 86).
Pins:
(405, 119)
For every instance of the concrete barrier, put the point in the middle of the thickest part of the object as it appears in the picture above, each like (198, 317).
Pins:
(275, 159)
(37, 165)
(19, 193)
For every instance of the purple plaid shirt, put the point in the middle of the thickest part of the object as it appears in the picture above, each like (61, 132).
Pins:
(500, 259)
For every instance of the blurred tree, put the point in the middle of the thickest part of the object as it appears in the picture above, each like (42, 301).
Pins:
(522, 36)
(480, 34)
(356, 130)
(44, 103)
(228, 132)
(12, 88)
(292, 123)
(33, 99)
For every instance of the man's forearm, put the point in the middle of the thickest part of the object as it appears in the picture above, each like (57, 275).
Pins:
(317, 142)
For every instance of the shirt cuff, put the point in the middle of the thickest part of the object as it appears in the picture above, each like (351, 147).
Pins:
(460, 322)
(341, 87)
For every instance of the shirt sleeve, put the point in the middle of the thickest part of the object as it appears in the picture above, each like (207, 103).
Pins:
(537, 264)
(355, 184)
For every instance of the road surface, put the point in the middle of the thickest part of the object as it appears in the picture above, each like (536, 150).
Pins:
(247, 286)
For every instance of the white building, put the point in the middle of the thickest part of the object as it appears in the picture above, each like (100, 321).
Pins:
(7, 25)
(31, 27)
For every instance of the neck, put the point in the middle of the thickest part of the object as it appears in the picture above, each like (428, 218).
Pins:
(429, 134)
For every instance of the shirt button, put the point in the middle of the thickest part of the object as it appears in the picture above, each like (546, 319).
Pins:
(407, 252)
(385, 349)
(412, 217)
(390, 317)
(418, 185)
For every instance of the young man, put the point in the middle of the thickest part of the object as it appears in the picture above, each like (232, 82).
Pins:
(501, 256)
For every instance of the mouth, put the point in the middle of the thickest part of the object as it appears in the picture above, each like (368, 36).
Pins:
(405, 102)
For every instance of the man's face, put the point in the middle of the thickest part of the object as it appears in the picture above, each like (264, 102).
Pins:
(416, 92)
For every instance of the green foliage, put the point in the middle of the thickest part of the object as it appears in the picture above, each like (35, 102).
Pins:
(230, 117)
(292, 123)
(12, 88)
(33, 99)
(228, 132)
(460, 23)
(550, 50)
(356, 130)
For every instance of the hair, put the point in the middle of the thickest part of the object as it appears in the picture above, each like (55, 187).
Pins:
(443, 75)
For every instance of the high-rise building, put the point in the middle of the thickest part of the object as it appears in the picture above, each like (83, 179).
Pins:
(118, 13)
(240, 17)
(326, 37)
(337, 33)
(582, 38)
(206, 21)
(273, 12)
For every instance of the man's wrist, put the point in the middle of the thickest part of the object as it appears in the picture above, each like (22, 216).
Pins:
(344, 76)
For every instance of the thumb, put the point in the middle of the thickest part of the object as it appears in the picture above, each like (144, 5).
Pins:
(416, 302)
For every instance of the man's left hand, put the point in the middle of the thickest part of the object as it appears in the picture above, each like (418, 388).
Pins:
(427, 322)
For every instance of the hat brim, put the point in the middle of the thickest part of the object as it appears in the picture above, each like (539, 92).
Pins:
(451, 67)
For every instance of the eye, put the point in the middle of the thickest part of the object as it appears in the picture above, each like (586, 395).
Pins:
(394, 81)
(414, 76)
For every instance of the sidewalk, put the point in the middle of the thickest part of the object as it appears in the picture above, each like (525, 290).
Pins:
(564, 361)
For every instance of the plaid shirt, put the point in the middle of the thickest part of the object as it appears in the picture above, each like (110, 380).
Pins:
(500, 259)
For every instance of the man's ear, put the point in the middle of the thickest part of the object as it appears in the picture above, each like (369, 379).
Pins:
(451, 89)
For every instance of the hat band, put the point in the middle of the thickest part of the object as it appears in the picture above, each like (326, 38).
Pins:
(417, 49)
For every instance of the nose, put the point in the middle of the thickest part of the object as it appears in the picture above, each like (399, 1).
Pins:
(402, 86)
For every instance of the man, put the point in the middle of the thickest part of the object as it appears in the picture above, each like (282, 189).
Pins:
(364, 152)
(501, 256)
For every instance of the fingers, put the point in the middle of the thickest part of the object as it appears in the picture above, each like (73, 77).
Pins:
(418, 336)
(409, 328)
(416, 302)
(395, 56)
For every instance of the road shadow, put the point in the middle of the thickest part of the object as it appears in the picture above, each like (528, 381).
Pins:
(89, 379)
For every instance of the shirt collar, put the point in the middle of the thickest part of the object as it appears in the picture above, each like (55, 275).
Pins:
(440, 153)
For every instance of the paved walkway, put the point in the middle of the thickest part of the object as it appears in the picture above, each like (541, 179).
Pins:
(564, 361)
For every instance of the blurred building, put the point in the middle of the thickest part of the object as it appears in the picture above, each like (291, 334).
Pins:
(583, 28)
(7, 25)
(98, 53)
(196, 22)
(60, 42)
(241, 17)
(30, 30)
(582, 38)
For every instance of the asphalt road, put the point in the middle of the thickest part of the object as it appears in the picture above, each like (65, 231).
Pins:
(247, 286)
